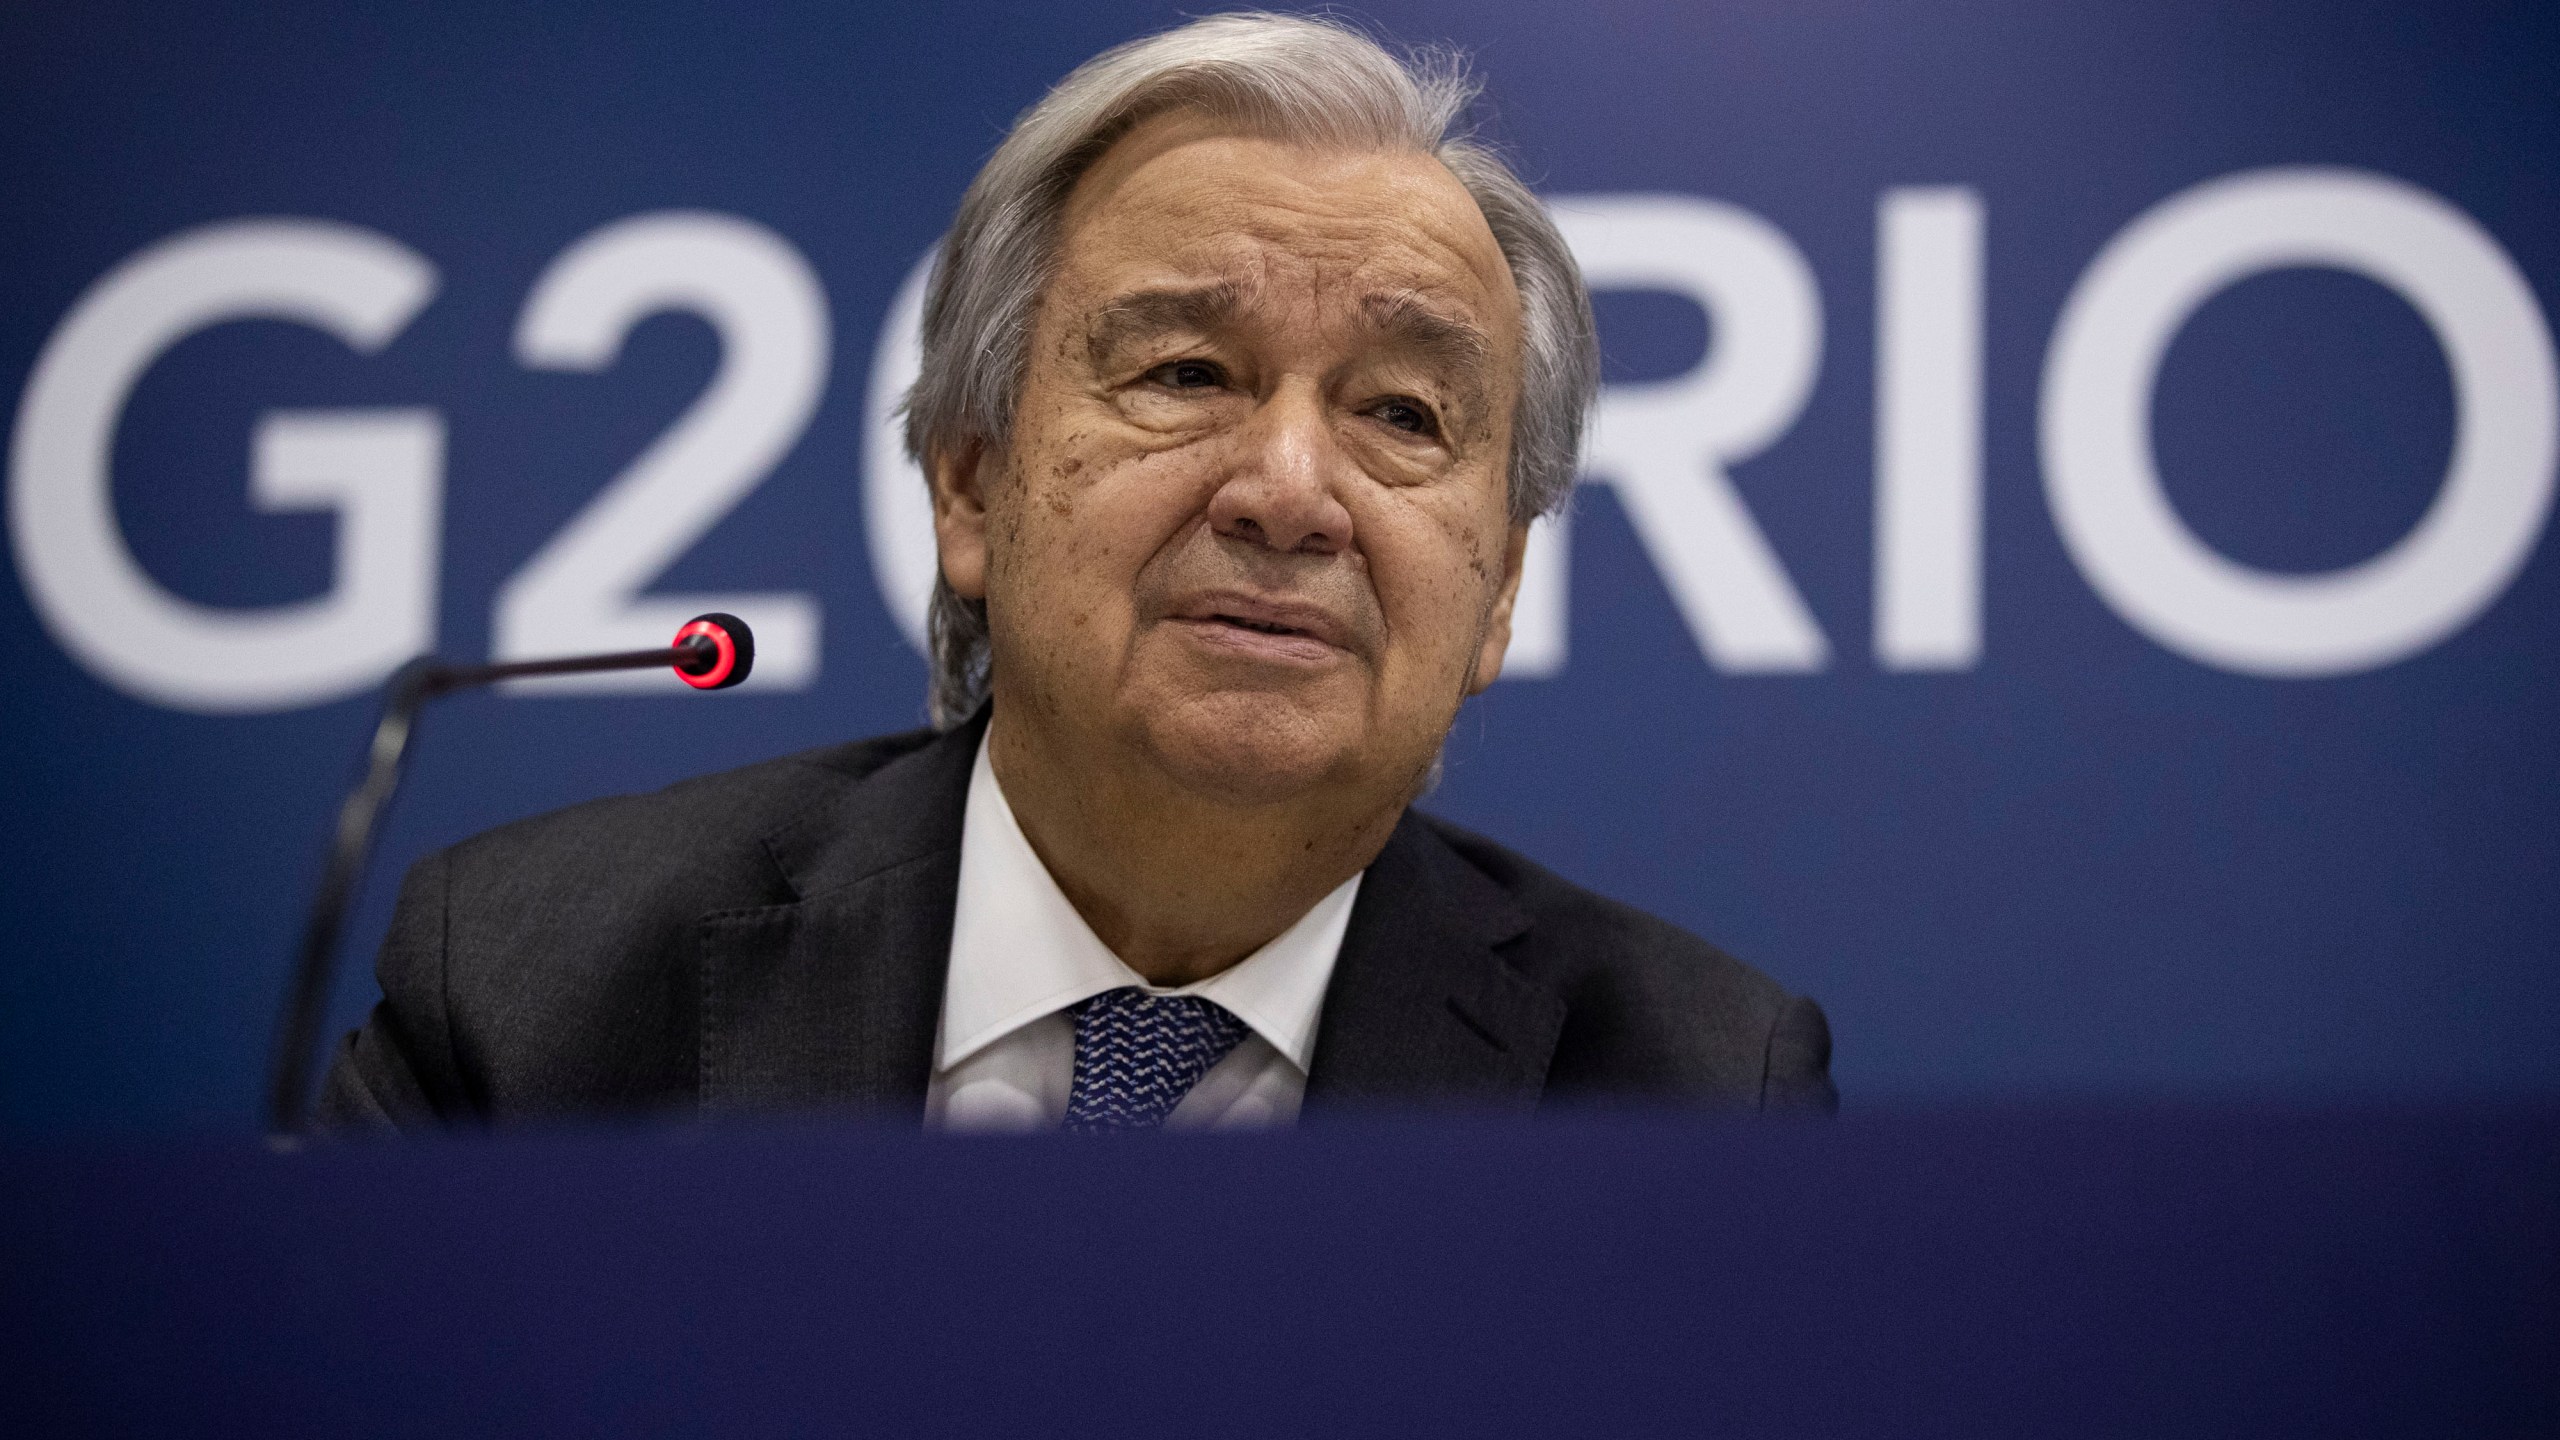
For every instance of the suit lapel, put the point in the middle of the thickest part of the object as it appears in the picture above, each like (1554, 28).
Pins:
(1420, 1007)
(833, 997)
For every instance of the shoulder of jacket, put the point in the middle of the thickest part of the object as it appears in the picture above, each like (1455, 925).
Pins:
(1580, 940)
(708, 827)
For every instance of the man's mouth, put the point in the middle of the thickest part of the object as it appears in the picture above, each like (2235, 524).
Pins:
(1267, 628)
(1259, 627)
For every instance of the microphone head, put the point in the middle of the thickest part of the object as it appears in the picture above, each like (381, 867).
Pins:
(731, 654)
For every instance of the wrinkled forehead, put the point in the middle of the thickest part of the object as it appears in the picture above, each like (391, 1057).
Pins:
(1364, 236)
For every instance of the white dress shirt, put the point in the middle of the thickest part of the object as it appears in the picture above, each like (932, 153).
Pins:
(1004, 1057)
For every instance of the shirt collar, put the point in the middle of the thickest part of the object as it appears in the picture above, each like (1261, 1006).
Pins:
(1020, 951)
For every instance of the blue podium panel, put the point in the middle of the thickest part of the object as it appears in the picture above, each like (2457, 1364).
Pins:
(2087, 1274)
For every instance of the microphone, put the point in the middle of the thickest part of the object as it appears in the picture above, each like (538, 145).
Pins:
(712, 652)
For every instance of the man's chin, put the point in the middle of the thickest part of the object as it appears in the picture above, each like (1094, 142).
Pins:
(1251, 748)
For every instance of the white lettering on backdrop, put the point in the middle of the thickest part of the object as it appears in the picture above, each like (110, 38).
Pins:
(1928, 605)
(583, 590)
(381, 470)
(1666, 447)
(2105, 488)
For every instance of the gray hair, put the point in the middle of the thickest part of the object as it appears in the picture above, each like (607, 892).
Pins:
(1296, 78)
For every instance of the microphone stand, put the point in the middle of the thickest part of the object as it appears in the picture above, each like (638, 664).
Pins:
(698, 652)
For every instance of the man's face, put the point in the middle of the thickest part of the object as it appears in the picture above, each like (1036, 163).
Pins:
(1251, 524)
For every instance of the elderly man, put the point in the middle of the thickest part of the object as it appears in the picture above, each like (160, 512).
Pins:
(1242, 383)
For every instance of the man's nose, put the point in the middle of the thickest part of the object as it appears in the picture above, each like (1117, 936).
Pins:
(1280, 493)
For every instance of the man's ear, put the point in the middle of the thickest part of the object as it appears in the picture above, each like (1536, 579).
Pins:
(958, 478)
(1497, 629)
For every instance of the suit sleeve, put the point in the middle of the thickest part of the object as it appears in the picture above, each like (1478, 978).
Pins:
(1797, 1076)
(398, 1072)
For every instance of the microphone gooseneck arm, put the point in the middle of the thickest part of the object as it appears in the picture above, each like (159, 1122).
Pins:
(712, 652)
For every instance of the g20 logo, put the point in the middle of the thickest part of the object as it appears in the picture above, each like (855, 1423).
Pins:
(1665, 446)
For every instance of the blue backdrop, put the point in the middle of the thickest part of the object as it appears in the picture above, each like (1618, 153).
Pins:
(2065, 579)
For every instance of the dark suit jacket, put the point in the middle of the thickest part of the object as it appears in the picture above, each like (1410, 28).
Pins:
(775, 938)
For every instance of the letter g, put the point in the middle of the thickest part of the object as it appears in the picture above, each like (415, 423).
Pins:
(381, 470)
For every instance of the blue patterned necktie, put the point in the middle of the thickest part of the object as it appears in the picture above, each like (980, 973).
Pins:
(1138, 1054)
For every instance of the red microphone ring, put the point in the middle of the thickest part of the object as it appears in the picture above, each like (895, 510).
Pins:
(728, 650)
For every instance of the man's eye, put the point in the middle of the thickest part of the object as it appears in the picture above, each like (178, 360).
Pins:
(1409, 416)
(1188, 374)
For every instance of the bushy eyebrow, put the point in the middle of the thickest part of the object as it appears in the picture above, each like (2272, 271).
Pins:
(1409, 322)
(1404, 320)
(1145, 314)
